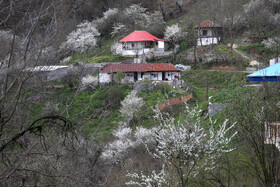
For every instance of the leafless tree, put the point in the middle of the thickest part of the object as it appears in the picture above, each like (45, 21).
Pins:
(36, 148)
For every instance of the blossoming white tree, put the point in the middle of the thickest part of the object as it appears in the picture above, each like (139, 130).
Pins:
(137, 16)
(261, 14)
(273, 43)
(130, 105)
(83, 39)
(187, 147)
(174, 33)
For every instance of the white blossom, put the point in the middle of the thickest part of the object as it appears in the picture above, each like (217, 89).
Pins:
(130, 105)
(137, 15)
(118, 29)
(155, 179)
(111, 12)
(144, 135)
(89, 82)
(174, 33)
(118, 147)
(125, 140)
(65, 60)
(116, 48)
(272, 42)
(83, 39)
(188, 144)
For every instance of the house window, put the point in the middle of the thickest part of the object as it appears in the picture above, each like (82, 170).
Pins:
(154, 75)
(204, 32)
(132, 44)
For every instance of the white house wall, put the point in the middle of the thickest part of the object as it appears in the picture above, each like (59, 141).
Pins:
(209, 32)
(129, 78)
(171, 75)
(134, 52)
(207, 41)
(104, 78)
(139, 48)
(161, 44)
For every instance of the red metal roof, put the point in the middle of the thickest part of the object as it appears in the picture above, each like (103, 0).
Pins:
(138, 36)
(149, 67)
(207, 24)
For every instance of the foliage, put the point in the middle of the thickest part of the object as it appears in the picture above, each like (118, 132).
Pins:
(259, 48)
(256, 108)
(119, 76)
(273, 43)
(164, 88)
(114, 97)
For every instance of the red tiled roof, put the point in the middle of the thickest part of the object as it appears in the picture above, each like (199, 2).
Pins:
(138, 36)
(149, 67)
(207, 24)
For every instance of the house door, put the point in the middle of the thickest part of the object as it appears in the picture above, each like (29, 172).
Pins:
(163, 76)
(135, 76)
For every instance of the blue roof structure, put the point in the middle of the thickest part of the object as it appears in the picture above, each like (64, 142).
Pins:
(271, 73)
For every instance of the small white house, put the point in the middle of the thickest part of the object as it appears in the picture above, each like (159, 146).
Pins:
(274, 61)
(136, 72)
(141, 42)
(272, 134)
(208, 33)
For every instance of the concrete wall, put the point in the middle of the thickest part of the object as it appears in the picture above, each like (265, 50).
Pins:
(154, 76)
(207, 41)
(139, 48)
(209, 32)
(171, 75)
(57, 74)
(129, 78)
(126, 52)
(104, 78)
(161, 44)
(274, 61)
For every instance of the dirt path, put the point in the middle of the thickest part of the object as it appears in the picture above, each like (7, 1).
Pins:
(244, 55)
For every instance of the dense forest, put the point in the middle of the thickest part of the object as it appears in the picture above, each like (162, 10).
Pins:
(73, 131)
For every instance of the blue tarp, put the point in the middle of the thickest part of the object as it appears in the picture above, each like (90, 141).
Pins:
(271, 73)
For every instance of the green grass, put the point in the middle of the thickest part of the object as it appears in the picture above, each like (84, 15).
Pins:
(223, 86)
(90, 109)
(266, 53)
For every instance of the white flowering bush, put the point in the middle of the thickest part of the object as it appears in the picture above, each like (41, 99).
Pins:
(116, 48)
(137, 16)
(125, 141)
(110, 13)
(120, 145)
(89, 82)
(119, 29)
(83, 39)
(155, 179)
(187, 147)
(174, 33)
(262, 11)
(272, 42)
(130, 105)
